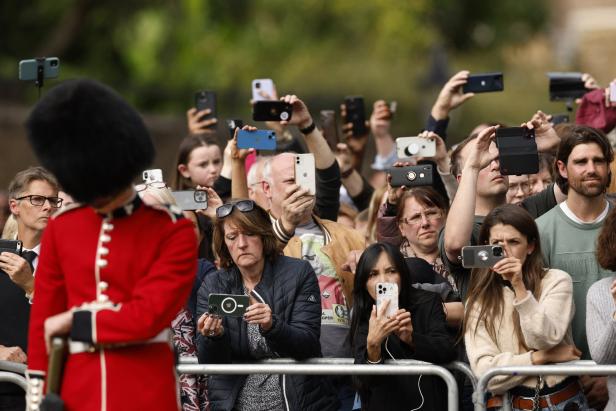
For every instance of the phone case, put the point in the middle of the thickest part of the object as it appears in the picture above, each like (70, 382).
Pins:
(228, 304)
(154, 175)
(356, 114)
(204, 100)
(263, 89)
(28, 68)
(190, 200)
(613, 92)
(415, 146)
(305, 172)
(272, 110)
(517, 151)
(566, 86)
(387, 291)
(11, 246)
(484, 83)
(258, 139)
(411, 176)
(481, 256)
(329, 128)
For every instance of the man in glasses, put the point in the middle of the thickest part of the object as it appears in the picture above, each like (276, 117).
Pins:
(33, 197)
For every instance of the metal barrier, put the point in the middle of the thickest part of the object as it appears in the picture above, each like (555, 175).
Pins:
(330, 366)
(13, 367)
(13, 372)
(569, 368)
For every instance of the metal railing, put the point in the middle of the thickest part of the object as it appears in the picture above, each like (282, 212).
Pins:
(13, 372)
(569, 368)
(329, 366)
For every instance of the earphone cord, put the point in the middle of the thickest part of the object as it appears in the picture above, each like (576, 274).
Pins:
(421, 404)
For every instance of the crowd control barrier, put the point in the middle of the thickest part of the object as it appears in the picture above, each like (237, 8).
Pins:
(329, 366)
(13, 373)
(569, 368)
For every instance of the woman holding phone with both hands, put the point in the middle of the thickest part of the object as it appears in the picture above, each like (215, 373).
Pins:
(519, 313)
(417, 331)
(283, 320)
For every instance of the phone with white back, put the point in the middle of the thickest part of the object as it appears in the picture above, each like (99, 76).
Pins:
(415, 147)
(263, 89)
(154, 175)
(387, 291)
(305, 172)
(190, 200)
(613, 93)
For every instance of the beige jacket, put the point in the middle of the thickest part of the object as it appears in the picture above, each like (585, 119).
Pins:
(545, 324)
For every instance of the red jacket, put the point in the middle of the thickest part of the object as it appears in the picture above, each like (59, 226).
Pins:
(127, 275)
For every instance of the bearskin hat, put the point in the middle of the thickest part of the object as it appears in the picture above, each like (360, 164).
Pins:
(90, 138)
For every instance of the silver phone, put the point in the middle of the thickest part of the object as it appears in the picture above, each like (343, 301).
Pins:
(415, 147)
(305, 172)
(387, 291)
(190, 200)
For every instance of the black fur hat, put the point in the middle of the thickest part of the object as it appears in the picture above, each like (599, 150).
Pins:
(92, 140)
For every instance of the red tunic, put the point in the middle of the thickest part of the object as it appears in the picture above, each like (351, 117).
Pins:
(143, 262)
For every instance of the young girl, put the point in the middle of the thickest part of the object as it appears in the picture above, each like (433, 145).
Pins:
(199, 162)
(519, 313)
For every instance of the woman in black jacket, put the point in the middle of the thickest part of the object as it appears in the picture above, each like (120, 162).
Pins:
(283, 319)
(416, 331)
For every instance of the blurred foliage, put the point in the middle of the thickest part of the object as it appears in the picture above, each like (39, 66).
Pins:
(158, 53)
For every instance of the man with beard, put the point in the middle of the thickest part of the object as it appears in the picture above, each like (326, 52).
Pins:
(569, 231)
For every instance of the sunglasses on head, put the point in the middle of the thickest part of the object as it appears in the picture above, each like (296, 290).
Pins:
(243, 205)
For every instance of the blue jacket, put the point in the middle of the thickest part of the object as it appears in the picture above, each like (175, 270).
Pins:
(289, 286)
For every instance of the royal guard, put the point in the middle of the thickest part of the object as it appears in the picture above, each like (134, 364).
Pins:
(113, 272)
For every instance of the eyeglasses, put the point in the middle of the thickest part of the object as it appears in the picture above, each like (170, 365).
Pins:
(416, 219)
(39, 201)
(243, 205)
(144, 186)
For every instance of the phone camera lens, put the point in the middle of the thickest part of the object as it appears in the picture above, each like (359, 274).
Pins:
(257, 85)
(53, 63)
(497, 251)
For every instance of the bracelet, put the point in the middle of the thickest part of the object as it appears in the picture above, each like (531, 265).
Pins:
(374, 362)
(308, 129)
(347, 173)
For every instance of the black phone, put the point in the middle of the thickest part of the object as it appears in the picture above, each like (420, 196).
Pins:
(228, 304)
(356, 114)
(481, 256)
(271, 110)
(411, 176)
(11, 246)
(517, 151)
(206, 99)
(566, 86)
(330, 128)
(560, 118)
(232, 124)
(484, 83)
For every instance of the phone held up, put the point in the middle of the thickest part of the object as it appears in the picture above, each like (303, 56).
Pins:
(232, 124)
(356, 114)
(411, 176)
(191, 200)
(263, 89)
(206, 100)
(228, 304)
(387, 291)
(154, 175)
(566, 86)
(330, 128)
(484, 83)
(10, 246)
(415, 146)
(257, 139)
(271, 110)
(29, 69)
(481, 256)
(305, 172)
(517, 151)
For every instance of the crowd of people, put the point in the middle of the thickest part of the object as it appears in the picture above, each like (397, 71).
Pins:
(121, 271)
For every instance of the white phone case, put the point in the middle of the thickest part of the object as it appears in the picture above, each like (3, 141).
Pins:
(305, 172)
(415, 147)
(387, 291)
(262, 88)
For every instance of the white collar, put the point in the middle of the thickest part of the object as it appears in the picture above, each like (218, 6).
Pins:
(572, 216)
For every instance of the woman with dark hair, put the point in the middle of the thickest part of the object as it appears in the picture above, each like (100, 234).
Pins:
(417, 331)
(519, 313)
(283, 319)
(601, 306)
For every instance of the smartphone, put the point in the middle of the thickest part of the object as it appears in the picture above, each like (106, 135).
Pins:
(259, 139)
(232, 124)
(356, 114)
(412, 176)
(305, 172)
(154, 175)
(190, 200)
(559, 118)
(271, 110)
(484, 83)
(206, 100)
(387, 291)
(517, 151)
(613, 93)
(329, 128)
(263, 89)
(228, 304)
(11, 246)
(415, 146)
(566, 86)
(28, 69)
(480, 256)
(393, 107)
